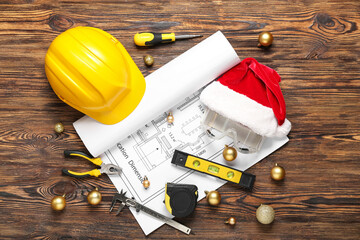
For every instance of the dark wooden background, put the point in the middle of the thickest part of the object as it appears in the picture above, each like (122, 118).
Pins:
(316, 51)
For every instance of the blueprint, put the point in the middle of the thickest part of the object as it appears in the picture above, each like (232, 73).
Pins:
(148, 152)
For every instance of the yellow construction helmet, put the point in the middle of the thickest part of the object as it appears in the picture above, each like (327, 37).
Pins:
(92, 72)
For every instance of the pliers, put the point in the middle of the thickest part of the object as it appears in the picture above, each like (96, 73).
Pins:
(104, 168)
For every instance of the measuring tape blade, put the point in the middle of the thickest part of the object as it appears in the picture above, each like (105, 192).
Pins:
(243, 179)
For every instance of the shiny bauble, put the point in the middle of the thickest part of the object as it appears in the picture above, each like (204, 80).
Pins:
(146, 183)
(265, 214)
(213, 198)
(265, 39)
(231, 221)
(94, 197)
(277, 173)
(170, 118)
(58, 203)
(59, 127)
(229, 153)
(148, 60)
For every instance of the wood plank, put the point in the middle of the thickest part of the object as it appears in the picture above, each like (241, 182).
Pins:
(316, 51)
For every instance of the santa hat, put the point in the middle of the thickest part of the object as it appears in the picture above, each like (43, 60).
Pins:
(250, 94)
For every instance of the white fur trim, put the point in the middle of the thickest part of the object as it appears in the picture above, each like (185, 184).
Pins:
(240, 108)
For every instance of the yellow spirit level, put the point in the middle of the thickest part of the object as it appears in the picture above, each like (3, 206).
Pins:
(205, 166)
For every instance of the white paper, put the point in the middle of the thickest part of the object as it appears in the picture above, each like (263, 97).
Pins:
(164, 88)
(149, 151)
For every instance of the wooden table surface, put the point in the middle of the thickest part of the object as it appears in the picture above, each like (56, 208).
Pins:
(316, 52)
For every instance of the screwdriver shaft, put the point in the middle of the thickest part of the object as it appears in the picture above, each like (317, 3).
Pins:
(180, 37)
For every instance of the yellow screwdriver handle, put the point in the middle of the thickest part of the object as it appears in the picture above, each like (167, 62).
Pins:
(151, 39)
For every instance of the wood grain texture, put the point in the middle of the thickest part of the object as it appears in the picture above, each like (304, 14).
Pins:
(316, 51)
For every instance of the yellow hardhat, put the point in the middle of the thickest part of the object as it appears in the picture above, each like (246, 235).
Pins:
(91, 71)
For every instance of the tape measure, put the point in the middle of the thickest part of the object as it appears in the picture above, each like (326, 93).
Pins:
(180, 199)
(243, 179)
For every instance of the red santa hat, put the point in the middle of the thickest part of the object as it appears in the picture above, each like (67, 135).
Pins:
(250, 94)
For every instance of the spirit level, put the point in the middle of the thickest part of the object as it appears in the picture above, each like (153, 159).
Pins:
(205, 166)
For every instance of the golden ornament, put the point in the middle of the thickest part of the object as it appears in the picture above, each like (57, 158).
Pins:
(213, 198)
(170, 118)
(146, 183)
(58, 203)
(229, 153)
(94, 197)
(59, 127)
(265, 39)
(149, 60)
(277, 172)
(231, 221)
(265, 214)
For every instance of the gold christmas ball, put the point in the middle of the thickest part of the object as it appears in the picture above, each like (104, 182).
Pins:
(146, 183)
(265, 39)
(148, 60)
(94, 197)
(277, 172)
(231, 221)
(213, 197)
(59, 127)
(265, 214)
(58, 203)
(229, 153)
(170, 118)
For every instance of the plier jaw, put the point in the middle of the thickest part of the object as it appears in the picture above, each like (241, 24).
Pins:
(109, 169)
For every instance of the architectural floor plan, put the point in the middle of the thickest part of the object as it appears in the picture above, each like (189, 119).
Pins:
(149, 150)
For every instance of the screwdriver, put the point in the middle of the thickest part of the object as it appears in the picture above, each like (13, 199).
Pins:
(151, 39)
